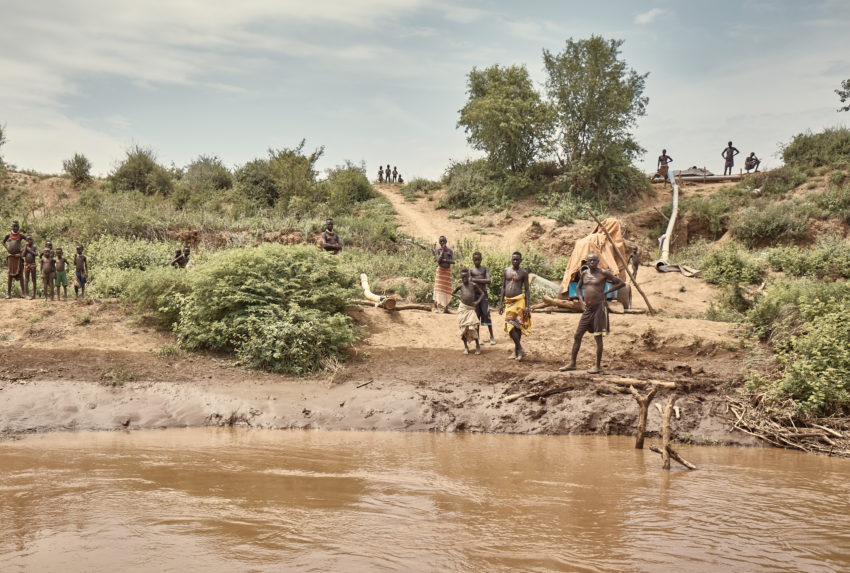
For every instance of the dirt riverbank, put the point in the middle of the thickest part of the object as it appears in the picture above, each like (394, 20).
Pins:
(91, 367)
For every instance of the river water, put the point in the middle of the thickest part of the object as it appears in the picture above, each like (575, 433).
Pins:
(248, 500)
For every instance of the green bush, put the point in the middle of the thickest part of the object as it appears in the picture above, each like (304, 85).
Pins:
(834, 202)
(714, 211)
(730, 265)
(78, 168)
(420, 184)
(255, 182)
(140, 172)
(347, 186)
(831, 147)
(279, 308)
(817, 362)
(468, 184)
(776, 182)
(775, 313)
(829, 258)
(125, 254)
(768, 224)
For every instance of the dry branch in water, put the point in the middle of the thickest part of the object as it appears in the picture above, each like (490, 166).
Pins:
(643, 402)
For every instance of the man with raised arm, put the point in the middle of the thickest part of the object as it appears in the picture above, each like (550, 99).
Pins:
(515, 296)
(594, 319)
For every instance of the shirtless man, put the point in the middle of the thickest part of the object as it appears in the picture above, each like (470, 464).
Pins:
(330, 238)
(515, 294)
(663, 169)
(13, 242)
(62, 266)
(752, 162)
(381, 174)
(395, 174)
(81, 272)
(48, 272)
(467, 321)
(481, 276)
(387, 174)
(594, 319)
(30, 266)
(729, 155)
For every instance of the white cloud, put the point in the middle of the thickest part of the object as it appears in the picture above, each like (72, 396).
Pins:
(649, 17)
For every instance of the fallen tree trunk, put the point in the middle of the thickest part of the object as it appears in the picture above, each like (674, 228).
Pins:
(396, 305)
(572, 305)
(643, 402)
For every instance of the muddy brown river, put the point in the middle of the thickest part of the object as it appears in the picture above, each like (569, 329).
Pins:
(248, 500)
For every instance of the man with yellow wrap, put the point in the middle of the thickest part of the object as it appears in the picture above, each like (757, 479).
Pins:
(515, 295)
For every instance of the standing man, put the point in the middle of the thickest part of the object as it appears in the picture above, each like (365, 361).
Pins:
(444, 258)
(729, 155)
(515, 295)
(663, 168)
(330, 239)
(467, 321)
(30, 268)
(481, 276)
(594, 319)
(13, 242)
(81, 272)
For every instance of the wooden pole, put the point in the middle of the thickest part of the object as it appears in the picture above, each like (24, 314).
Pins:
(643, 402)
(622, 260)
(665, 432)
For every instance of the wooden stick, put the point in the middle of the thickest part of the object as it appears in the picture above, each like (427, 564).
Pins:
(643, 402)
(665, 432)
(622, 260)
(675, 455)
(623, 381)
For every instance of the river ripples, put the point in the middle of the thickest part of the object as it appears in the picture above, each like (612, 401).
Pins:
(246, 500)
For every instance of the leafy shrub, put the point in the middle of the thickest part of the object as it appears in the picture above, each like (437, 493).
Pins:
(776, 182)
(817, 362)
(255, 182)
(714, 211)
(729, 265)
(279, 308)
(776, 312)
(140, 172)
(830, 147)
(346, 186)
(468, 184)
(829, 258)
(768, 224)
(837, 178)
(78, 168)
(605, 176)
(834, 202)
(124, 254)
(421, 184)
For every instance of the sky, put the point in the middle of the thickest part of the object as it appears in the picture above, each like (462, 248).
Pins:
(381, 81)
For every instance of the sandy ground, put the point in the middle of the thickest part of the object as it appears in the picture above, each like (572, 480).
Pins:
(409, 373)
(82, 365)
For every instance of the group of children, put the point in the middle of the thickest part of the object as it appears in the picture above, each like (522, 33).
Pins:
(385, 175)
(24, 260)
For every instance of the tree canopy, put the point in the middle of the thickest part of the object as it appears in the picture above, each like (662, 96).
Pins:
(597, 98)
(844, 94)
(505, 116)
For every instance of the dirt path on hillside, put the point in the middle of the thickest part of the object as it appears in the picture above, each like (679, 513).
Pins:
(422, 219)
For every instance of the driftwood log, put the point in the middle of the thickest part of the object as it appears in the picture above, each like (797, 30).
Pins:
(666, 451)
(397, 305)
(623, 381)
(643, 402)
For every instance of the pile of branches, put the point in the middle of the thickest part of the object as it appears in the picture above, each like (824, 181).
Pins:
(779, 424)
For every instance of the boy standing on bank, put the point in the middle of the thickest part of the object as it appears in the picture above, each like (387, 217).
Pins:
(81, 272)
(467, 320)
(62, 265)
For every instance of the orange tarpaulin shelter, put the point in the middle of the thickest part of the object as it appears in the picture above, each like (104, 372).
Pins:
(596, 242)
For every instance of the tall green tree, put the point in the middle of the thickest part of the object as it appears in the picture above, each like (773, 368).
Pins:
(597, 98)
(844, 94)
(505, 116)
